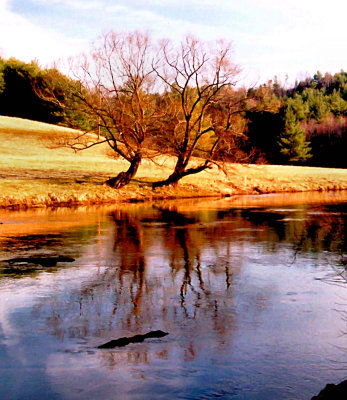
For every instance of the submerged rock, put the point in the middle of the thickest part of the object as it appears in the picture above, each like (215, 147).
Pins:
(124, 341)
(333, 392)
(44, 261)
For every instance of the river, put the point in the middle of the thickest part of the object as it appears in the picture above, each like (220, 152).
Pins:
(251, 290)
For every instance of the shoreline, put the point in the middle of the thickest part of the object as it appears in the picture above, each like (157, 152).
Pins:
(144, 194)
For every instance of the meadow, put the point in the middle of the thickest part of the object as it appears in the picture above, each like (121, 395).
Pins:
(35, 172)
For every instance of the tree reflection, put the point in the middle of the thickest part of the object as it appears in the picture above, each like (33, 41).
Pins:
(155, 277)
(184, 241)
(128, 249)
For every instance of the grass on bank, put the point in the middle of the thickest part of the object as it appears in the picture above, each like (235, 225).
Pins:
(34, 173)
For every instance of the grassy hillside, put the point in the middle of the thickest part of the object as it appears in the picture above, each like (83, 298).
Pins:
(34, 172)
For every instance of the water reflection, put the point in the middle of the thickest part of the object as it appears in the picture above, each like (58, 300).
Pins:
(217, 279)
(34, 234)
(166, 268)
(151, 280)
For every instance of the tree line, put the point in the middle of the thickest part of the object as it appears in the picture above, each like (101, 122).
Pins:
(146, 98)
(305, 124)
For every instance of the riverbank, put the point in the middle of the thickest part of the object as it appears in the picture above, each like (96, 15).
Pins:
(35, 173)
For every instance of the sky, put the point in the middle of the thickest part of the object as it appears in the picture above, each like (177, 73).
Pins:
(290, 39)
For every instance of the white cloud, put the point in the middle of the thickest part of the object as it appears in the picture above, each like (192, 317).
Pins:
(270, 37)
(74, 4)
(27, 41)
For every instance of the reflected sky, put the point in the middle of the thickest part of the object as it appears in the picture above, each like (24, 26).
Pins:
(242, 292)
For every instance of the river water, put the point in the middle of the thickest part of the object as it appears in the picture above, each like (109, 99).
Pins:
(252, 291)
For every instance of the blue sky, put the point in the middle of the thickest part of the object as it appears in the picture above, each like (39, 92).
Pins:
(270, 37)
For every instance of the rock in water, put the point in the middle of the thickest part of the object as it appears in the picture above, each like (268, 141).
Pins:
(333, 392)
(124, 341)
(155, 334)
(44, 261)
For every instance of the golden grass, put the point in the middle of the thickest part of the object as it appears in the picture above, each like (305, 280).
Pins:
(34, 174)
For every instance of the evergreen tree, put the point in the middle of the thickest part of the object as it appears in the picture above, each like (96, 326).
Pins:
(292, 142)
(317, 102)
(300, 109)
(338, 105)
(18, 97)
(2, 81)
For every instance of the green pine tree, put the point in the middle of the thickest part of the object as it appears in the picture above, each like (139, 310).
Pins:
(294, 147)
(2, 80)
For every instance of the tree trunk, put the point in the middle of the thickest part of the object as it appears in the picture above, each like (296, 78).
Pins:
(177, 174)
(180, 173)
(171, 180)
(123, 178)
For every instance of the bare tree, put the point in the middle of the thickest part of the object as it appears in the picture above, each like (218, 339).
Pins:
(193, 75)
(115, 91)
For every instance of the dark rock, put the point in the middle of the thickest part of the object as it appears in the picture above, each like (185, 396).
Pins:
(124, 341)
(44, 261)
(155, 334)
(333, 392)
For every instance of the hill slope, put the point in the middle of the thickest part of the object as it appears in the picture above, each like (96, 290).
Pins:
(35, 173)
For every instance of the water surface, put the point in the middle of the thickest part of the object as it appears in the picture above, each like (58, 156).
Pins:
(252, 293)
